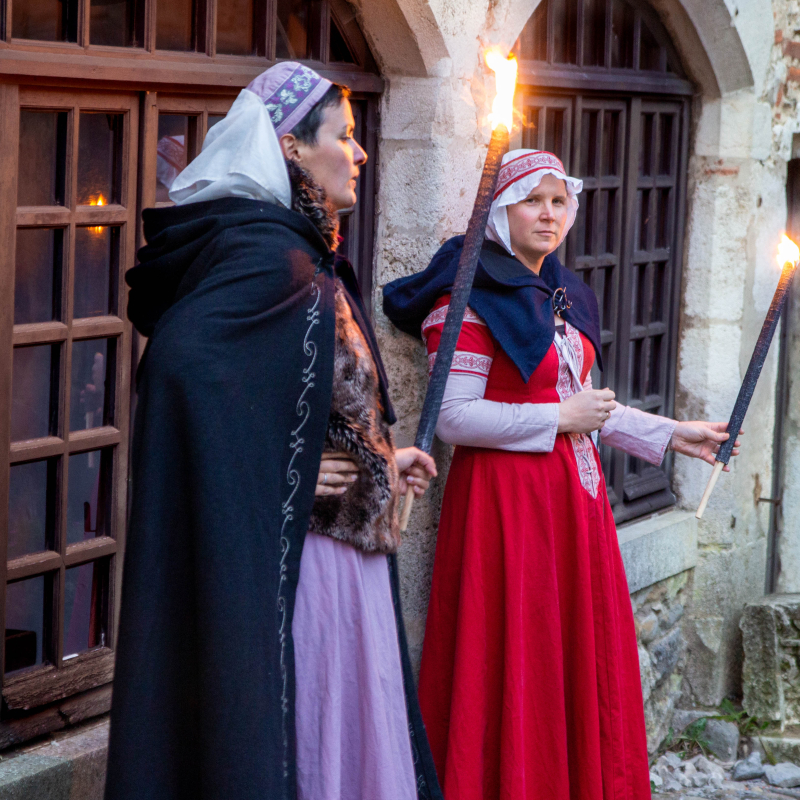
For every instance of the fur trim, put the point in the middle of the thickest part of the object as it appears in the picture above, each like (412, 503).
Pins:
(365, 516)
(309, 199)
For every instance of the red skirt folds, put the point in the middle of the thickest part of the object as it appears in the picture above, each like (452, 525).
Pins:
(529, 684)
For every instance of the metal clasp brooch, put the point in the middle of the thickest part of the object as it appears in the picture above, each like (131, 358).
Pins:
(560, 301)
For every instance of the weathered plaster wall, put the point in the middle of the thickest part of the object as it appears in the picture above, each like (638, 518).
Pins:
(785, 89)
(789, 549)
(737, 211)
(432, 148)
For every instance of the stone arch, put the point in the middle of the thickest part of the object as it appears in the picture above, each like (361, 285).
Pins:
(404, 36)
(709, 44)
(702, 32)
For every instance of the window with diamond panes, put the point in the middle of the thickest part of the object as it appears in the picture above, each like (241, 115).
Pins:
(601, 86)
(64, 475)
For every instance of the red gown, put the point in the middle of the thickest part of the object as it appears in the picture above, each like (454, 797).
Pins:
(529, 684)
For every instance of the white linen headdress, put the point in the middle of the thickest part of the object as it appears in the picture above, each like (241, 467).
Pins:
(241, 155)
(521, 171)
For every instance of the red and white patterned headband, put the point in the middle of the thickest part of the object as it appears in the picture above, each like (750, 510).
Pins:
(524, 165)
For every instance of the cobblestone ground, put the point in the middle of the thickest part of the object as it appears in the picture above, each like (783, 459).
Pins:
(746, 790)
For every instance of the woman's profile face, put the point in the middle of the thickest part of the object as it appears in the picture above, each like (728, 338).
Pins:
(335, 159)
(537, 222)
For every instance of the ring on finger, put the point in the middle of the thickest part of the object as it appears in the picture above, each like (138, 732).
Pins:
(324, 477)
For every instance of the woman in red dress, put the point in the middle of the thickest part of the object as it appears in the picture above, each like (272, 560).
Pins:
(529, 683)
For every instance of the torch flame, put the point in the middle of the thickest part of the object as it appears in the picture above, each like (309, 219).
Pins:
(505, 70)
(788, 252)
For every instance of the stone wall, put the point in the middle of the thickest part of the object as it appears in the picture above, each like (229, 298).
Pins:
(658, 616)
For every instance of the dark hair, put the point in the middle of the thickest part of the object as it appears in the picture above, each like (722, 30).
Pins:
(307, 129)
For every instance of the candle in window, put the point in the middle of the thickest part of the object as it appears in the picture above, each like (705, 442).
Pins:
(99, 201)
(788, 258)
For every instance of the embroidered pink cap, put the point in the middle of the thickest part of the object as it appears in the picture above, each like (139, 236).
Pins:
(527, 164)
(289, 91)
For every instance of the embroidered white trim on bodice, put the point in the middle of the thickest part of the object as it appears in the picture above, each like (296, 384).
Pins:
(582, 445)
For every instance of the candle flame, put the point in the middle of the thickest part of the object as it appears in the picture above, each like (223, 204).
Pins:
(100, 201)
(505, 70)
(788, 252)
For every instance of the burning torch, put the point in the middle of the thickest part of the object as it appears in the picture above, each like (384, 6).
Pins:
(788, 258)
(505, 70)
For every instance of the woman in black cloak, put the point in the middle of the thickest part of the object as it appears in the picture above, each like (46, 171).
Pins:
(261, 653)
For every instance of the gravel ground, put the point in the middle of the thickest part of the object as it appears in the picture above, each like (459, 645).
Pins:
(732, 790)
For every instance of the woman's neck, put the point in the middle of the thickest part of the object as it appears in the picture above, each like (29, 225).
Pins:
(532, 262)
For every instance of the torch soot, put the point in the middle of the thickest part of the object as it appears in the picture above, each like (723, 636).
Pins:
(501, 118)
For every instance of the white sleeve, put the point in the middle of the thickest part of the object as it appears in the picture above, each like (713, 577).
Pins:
(638, 433)
(467, 419)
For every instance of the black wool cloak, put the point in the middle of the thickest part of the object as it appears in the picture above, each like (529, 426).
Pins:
(514, 302)
(237, 297)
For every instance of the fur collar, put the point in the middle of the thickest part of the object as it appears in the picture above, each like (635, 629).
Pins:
(365, 516)
(309, 199)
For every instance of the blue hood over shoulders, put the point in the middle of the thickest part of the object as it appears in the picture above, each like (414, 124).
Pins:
(515, 303)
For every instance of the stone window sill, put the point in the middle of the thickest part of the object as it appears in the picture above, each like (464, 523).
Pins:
(657, 548)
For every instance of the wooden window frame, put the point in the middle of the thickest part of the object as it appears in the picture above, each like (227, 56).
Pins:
(81, 61)
(549, 74)
(49, 683)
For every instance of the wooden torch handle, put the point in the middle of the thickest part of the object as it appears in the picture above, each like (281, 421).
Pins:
(712, 482)
(408, 504)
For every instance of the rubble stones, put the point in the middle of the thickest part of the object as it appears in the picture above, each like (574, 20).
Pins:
(722, 738)
(683, 718)
(784, 775)
(647, 627)
(749, 769)
(658, 710)
(656, 780)
(709, 768)
(672, 759)
(671, 617)
(699, 774)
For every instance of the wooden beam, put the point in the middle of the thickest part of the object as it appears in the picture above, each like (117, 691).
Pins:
(42, 686)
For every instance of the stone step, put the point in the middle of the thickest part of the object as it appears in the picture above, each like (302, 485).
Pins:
(71, 766)
(781, 748)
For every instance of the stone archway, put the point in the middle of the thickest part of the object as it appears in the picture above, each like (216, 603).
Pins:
(403, 35)
(703, 32)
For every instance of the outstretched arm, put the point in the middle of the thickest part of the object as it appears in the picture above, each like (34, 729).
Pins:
(641, 434)
(702, 440)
